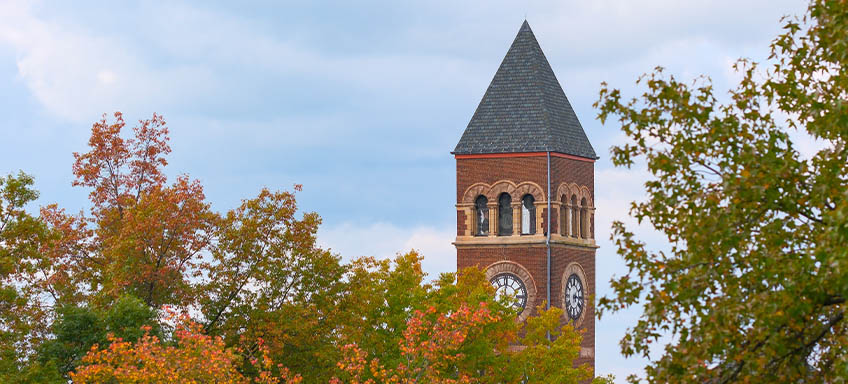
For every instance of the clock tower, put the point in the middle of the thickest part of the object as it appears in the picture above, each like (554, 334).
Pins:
(525, 192)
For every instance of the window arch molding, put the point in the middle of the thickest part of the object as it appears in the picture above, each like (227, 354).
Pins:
(529, 188)
(492, 193)
(476, 189)
(580, 191)
(586, 194)
(516, 191)
(503, 186)
(570, 197)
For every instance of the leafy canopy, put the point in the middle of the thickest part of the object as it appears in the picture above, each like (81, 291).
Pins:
(456, 332)
(192, 358)
(90, 296)
(753, 288)
(22, 317)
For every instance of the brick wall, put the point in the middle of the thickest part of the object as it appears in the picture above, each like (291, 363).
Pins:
(520, 169)
(533, 257)
(460, 222)
(573, 171)
(534, 260)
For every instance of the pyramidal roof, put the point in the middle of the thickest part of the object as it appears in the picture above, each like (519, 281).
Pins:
(525, 109)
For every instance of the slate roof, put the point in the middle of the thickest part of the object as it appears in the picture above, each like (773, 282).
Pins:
(525, 109)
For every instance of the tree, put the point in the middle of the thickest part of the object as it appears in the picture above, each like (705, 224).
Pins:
(76, 329)
(22, 317)
(255, 273)
(380, 298)
(432, 350)
(269, 281)
(143, 237)
(194, 357)
(84, 291)
(548, 350)
(462, 335)
(753, 288)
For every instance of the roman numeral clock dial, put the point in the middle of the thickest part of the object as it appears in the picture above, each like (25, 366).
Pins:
(512, 288)
(574, 297)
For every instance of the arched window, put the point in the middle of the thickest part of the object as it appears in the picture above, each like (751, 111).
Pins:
(504, 214)
(574, 217)
(481, 217)
(584, 216)
(564, 216)
(528, 215)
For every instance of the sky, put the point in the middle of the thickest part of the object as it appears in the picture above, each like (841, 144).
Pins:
(360, 102)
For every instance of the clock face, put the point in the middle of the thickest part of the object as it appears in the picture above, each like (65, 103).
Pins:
(509, 285)
(574, 297)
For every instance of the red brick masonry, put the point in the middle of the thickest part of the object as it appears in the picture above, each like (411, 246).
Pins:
(529, 251)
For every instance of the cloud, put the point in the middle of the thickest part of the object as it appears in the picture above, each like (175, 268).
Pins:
(605, 31)
(198, 58)
(78, 75)
(385, 240)
(356, 99)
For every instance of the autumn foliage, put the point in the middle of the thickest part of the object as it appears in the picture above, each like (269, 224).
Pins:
(91, 296)
(753, 286)
(462, 335)
(193, 357)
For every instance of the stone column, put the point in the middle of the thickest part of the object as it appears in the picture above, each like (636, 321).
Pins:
(493, 218)
(470, 219)
(516, 217)
(584, 222)
(540, 208)
(592, 223)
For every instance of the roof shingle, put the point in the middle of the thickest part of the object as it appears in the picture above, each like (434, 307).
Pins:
(525, 109)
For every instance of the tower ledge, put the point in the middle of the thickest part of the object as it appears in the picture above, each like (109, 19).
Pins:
(523, 240)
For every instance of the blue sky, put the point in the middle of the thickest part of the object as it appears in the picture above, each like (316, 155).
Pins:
(361, 102)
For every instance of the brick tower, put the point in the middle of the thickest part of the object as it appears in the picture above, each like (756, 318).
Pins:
(525, 192)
